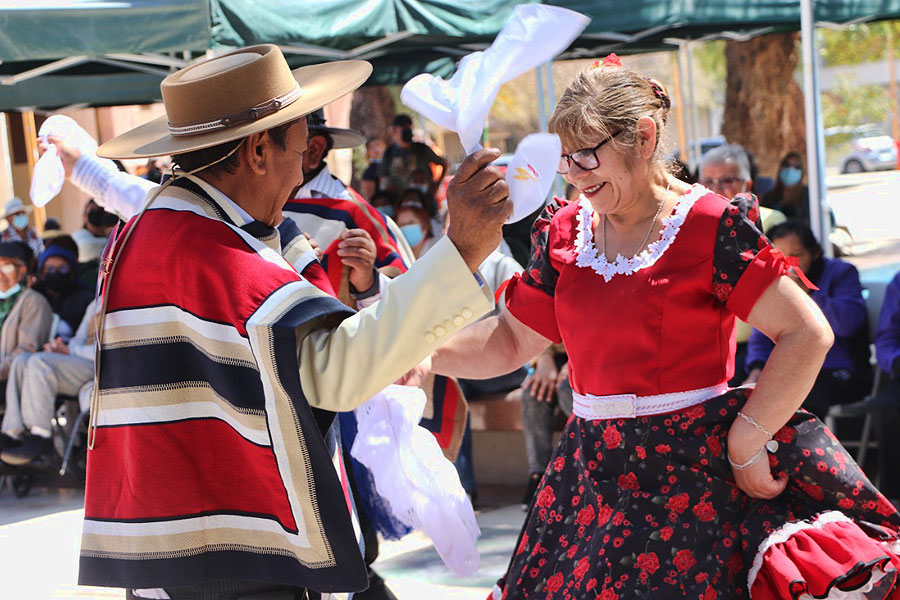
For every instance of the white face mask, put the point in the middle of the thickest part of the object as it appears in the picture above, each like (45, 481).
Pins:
(10, 292)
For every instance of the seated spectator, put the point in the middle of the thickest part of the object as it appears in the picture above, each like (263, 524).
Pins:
(97, 224)
(497, 269)
(843, 377)
(25, 315)
(56, 280)
(789, 195)
(416, 226)
(34, 382)
(886, 405)
(384, 202)
(18, 229)
(368, 183)
(52, 229)
(546, 387)
(727, 170)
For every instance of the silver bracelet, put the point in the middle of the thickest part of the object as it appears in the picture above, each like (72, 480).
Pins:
(753, 460)
(771, 445)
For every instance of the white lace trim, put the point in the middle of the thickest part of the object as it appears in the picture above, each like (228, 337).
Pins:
(783, 533)
(860, 594)
(587, 255)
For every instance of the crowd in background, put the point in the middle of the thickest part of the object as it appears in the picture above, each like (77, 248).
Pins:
(47, 285)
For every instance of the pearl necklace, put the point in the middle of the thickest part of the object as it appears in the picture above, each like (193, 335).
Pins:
(649, 232)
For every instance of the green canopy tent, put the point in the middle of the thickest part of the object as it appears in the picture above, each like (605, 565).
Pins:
(103, 52)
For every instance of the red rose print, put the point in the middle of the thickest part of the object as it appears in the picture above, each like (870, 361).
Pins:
(684, 560)
(608, 594)
(592, 582)
(581, 568)
(629, 482)
(572, 551)
(785, 435)
(559, 463)
(885, 508)
(585, 515)
(523, 543)
(611, 437)
(733, 210)
(678, 503)
(845, 503)
(695, 412)
(641, 453)
(813, 491)
(546, 497)
(715, 446)
(663, 449)
(648, 562)
(722, 291)
(604, 512)
(555, 582)
(704, 511)
(665, 533)
(753, 214)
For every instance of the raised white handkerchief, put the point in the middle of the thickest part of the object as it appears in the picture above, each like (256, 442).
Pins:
(534, 35)
(49, 174)
(530, 174)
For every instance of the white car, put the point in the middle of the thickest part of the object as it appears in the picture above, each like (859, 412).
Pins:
(870, 149)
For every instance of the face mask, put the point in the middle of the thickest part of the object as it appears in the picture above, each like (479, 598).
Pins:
(387, 210)
(413, 234)
(790, 176)
(10, 292)
(57, 281)
(20, 221)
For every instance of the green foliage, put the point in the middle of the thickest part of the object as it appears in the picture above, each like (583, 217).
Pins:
(851, 104)
(710, 59)
(858, 43)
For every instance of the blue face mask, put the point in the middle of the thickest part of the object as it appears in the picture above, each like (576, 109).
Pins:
(790, 176)
(20, 221)
(413, 234)
(10, 292)
(387, 210)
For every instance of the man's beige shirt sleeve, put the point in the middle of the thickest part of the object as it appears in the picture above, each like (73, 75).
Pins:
(343, 367)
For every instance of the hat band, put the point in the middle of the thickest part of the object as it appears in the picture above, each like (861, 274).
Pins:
(251, 114)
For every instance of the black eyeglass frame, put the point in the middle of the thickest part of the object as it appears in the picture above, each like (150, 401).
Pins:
(570, 158)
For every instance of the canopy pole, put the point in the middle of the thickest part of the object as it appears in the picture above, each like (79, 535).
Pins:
(542, 108)
(558, 188)
(815, 137)
(679, 109)
(687, 83)
(695, 117)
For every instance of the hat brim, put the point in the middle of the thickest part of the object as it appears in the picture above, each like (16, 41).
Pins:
(25, 208)
(320, 84)
(342, 137)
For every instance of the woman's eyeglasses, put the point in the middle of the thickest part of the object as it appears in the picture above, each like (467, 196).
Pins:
(586, 158)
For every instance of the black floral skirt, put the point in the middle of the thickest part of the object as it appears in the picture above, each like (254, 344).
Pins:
(648, 508)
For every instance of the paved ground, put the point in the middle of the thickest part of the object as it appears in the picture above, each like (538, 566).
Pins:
(39, 542)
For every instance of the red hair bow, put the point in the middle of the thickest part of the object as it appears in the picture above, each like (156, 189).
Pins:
(612, 60)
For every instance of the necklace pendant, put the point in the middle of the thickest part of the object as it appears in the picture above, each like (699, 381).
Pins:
(772, 446)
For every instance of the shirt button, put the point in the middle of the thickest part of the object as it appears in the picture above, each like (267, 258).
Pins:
(466, 313)
(429, 337)
(440, 331)
(458, 320)
(448, 324)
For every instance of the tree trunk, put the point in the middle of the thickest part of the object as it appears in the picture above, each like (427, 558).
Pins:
(372, 112)
(763, 103)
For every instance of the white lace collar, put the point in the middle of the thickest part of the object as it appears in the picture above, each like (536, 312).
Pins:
(587, 255)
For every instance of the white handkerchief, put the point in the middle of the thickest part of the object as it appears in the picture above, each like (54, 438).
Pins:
(530, 174)
(49, 174)
(535, 34)
(411, 474)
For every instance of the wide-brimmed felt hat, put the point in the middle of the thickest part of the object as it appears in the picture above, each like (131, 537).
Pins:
(232, 96)
(341, 136)
(15, 205)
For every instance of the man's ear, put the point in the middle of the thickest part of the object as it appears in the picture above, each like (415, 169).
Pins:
(255, 151)
(315, 150)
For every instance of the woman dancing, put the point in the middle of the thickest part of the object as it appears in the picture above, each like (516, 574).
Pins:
(665, 482)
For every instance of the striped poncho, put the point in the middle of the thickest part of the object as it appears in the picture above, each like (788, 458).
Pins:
(208, 462)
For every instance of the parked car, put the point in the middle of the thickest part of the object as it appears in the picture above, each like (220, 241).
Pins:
(870, 148)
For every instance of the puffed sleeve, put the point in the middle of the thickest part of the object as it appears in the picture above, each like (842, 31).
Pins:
(744, 261)
(530, 295)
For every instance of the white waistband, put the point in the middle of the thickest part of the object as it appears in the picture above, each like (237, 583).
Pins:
(626, 406)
